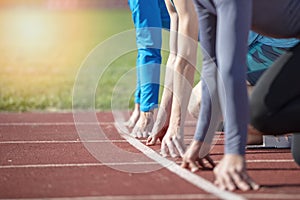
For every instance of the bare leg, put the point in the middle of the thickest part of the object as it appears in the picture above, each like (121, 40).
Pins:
(254, 136)
(195, 101)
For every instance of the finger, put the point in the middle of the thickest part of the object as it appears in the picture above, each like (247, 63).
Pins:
(250, 182)
(133, 133)
(184, 164)
(164, 149)
(217, 183)
(253, 185)
(145, 134)
(172, 148)
(179, 146)
(221, 183)
(230, 184)
(139, 134)
(151, 140)
(193, 166)
(210, 161)
(200, 161)
(216, 172)
(238, 181)
(129, 124)
(227, 182)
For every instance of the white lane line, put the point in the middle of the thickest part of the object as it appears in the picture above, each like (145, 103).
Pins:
(61, 141)
(137, 197)
(53, 123)
(272, 196)
(265, 161)
(65, 141)
(185, 174)
(270, 161)
(172, 196)
(188, 123)
(75, 165)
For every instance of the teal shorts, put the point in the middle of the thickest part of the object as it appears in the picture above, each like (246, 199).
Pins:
(259, 58)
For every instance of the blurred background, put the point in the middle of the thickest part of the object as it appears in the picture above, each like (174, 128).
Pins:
(43, 43)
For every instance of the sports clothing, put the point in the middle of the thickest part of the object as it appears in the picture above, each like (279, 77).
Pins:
(262, 52)
(275, 101)
(224, 27)
(149, 16)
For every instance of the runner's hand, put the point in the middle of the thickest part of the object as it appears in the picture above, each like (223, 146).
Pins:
(144, 125)
(231, 174)
(173, 144)
(193, 159)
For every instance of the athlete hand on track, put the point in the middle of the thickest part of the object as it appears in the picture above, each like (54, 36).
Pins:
(154, 137)
(134, 117)
(193, 158)
(159, 129)
(144, 125)
(231, 174)
(173, 143)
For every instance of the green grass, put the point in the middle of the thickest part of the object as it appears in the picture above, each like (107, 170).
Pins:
(41, 53)
(39, 73)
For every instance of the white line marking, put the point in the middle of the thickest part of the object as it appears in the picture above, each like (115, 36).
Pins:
(172, 196)
(75, 165)
(66, 141)
(100, 164)
(270, 161)
(272, 196)
(264, 161)
(175, 168)
(62, 141)
(188, 123)
(53, 123)
(137, 197)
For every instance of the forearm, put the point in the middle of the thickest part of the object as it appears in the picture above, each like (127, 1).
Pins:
(231, 50)
(185, 62)
(167, 95)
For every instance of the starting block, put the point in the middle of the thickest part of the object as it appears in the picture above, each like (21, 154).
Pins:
(271, 141)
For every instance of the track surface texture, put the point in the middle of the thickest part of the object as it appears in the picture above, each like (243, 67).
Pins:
(49, 156)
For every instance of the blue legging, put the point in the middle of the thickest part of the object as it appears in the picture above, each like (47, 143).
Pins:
(149, 16)
(224, 26)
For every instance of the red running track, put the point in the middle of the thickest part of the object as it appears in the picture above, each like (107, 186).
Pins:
(43, 156)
